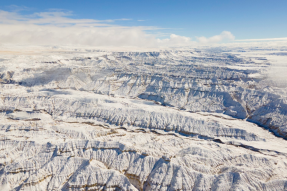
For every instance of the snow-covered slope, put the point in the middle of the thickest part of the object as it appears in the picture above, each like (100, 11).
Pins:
(181, 119)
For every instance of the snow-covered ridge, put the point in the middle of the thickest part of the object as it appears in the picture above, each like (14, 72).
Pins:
(168, 120)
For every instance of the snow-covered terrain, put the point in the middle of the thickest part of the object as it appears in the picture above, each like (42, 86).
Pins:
(210, 118)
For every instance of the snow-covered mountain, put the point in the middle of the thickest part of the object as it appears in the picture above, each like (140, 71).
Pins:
(178, 119)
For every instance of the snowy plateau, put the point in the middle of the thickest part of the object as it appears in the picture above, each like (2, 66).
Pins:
(192, 119)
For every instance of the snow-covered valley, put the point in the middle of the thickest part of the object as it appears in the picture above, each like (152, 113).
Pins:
(178, 119)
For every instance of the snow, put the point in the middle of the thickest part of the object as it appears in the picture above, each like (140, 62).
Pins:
(177, 119)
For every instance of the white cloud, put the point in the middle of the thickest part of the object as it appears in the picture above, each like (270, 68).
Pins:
(56, 27)
(176, 40)
(263, 39)
(224, 36)
(277, 73)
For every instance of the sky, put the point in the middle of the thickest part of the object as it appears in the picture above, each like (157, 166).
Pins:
(141, 23)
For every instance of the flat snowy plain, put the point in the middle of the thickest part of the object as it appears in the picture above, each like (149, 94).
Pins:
(209, 118)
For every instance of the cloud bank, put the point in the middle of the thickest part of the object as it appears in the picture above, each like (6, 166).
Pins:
(58, 28)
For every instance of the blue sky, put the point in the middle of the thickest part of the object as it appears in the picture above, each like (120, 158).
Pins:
(245, 19)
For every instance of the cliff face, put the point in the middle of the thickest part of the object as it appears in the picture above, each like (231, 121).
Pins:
(213, 119)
